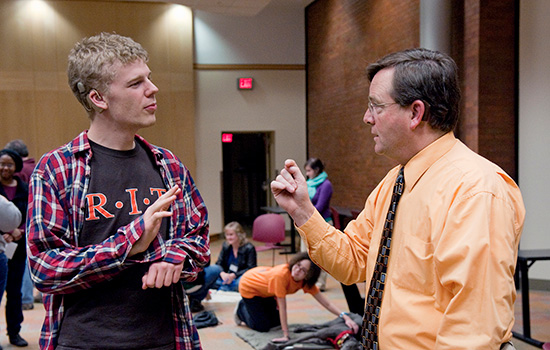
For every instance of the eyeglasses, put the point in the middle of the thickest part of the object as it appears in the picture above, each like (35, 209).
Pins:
(7, 165)
(301, 268)
(377, 108)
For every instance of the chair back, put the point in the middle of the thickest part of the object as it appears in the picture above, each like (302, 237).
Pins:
(269, 228)
(335, 217)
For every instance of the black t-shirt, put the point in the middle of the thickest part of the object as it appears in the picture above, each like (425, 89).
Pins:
(118, 314)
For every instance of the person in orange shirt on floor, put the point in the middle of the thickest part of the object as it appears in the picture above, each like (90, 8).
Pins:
(264, 290)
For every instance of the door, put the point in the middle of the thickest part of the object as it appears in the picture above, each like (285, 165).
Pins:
(245, 175)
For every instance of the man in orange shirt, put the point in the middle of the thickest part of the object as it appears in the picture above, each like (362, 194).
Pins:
(448, 281)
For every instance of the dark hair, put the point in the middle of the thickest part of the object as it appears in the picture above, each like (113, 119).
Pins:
(19, 147)
(426, 75)
(16, 158)
(315, 164)
(312, 274)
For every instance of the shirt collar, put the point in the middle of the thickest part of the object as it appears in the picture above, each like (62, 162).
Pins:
(82, 144)
(423, 160)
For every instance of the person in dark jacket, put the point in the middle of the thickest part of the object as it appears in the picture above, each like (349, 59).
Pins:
(17, 191)
(236, 257)
(19, 146)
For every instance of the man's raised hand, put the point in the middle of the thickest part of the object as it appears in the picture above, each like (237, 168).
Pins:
(290, 191)
(153, 218)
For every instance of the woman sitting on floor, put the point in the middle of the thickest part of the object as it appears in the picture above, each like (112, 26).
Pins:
(236, 257)
(264, 290)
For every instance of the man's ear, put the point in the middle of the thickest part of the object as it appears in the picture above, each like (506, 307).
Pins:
(96, 101)
(418, 108)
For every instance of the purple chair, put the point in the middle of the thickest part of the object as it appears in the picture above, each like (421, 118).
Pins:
(270, 229)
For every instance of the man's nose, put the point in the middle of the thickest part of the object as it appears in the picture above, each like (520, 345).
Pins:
(368, 117)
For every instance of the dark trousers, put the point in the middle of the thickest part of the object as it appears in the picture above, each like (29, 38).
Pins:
(356, 303)
(260, 314)
(14, 310)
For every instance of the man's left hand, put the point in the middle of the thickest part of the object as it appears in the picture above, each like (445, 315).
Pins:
(162, 274)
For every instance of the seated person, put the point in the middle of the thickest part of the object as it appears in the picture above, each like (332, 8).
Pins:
(236, 257)
(264, 290)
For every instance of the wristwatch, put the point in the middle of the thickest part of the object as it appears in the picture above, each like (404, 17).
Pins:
(343, 313)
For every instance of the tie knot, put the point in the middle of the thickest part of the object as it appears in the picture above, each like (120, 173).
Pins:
(400, 181)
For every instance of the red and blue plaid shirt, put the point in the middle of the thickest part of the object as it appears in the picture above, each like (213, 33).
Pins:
(59, 265)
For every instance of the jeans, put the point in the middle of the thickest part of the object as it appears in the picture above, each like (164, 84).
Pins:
(231, 287)
(211, 275)
(3, 274)
(27, 287)
(259, 314)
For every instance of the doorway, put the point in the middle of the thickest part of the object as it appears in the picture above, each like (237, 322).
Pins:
(246, 164)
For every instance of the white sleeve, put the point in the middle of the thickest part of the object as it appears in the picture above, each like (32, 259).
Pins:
(10, 216)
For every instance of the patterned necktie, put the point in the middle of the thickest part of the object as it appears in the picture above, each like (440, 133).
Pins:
(369, 333)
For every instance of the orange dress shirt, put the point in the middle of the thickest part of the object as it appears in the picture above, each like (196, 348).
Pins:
(450, 282)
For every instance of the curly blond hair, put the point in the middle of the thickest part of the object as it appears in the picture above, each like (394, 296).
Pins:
(93, 63)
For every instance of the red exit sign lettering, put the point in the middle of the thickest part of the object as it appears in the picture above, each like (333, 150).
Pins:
(227, 138)
(245, 83)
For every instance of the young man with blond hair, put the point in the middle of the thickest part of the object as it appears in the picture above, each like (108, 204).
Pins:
(115, 223)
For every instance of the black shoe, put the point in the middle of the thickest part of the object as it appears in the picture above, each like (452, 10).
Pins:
(18, 341)
(27, 306)
(38, 298)
(196, 305)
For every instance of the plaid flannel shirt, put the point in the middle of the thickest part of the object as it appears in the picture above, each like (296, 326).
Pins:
(60, 266)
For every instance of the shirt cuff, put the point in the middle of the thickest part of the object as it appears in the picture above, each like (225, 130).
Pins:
(315, 227)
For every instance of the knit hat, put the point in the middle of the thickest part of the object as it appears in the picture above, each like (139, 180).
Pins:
(16, 158)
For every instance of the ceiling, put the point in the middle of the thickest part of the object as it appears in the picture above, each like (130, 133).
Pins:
(247, 8)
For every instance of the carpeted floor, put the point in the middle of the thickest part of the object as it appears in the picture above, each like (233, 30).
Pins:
(302, 309)
(259, 340)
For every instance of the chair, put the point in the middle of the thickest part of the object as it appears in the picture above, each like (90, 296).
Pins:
(270, 229)
(335, 217)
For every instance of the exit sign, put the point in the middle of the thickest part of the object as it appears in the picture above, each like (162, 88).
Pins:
(245, 83)
(227, 138)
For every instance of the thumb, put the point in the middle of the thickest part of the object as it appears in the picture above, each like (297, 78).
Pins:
(294, 170)
(144, 281)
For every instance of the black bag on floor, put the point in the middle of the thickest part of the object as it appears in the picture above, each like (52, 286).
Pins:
(205, 319)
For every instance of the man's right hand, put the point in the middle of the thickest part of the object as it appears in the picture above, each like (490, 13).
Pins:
(290, 191)
(153, 218)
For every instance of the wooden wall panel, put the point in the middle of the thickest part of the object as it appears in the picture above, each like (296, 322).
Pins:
(38, 105)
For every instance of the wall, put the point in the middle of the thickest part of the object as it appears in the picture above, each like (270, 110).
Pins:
(488, 121)
(342, 38)
(273, 36)
(36, 37)
(268, 47)
(534, 127)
